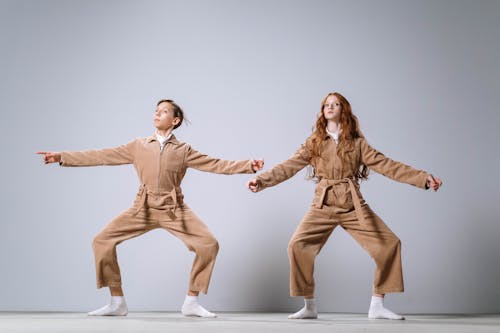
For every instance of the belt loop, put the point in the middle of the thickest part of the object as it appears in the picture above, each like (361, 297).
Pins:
(142, 199)
(321, 199)
(171, 212)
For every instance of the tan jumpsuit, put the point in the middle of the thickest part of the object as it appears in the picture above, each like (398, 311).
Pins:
(158, 204)
(337, 201)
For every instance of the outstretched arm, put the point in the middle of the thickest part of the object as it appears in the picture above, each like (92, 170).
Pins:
(203, 162)
(395, 170)
(282, 171)
(123, 154)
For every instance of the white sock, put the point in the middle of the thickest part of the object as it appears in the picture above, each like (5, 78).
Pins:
(116, 307)
(192, 308)
(378, 311)
(309, 311)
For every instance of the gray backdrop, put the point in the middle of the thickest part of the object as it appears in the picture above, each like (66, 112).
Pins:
(423, 77)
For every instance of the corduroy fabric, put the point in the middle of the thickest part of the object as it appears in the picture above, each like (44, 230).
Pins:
(159, 202)
(338, 201)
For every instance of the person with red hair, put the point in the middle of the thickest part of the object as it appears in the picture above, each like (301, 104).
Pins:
(340, 158)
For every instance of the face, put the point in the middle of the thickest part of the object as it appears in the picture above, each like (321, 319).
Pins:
(332, 108)
(164, 118)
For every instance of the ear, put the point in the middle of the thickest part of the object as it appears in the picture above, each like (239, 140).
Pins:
(175, 121)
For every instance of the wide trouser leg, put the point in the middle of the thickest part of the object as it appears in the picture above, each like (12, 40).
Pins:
(382, 245)
(195, 234)
(305, 244)
(123, 227)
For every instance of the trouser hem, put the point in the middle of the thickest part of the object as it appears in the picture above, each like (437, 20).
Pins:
(295, 293)
(203, 290)
(387, 290)
(108, 284)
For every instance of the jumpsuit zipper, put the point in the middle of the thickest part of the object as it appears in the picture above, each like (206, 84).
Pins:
(159, 165)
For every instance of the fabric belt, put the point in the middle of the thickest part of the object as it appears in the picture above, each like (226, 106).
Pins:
(144, 192)
(326, 184)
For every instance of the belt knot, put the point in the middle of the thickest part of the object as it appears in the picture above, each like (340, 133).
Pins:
(326, 184)
(143, 193)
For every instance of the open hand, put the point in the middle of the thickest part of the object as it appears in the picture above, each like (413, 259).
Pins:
(257, 165)
(253, 185)
(50, 157)
(434, 182)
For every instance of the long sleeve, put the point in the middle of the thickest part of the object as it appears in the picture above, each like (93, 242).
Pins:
(286, 169)
(123, 154)
(398, 171)
(203, 162)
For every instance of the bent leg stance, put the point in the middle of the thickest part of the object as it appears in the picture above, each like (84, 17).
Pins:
(186, 226)
(305, 244)
(195, 234)
(375, 237)
(123, 227)
(382, 245)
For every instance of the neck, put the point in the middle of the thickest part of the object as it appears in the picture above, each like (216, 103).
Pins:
(164, 133)
(333, 126)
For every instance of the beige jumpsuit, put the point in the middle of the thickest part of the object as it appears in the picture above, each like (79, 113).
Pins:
(337, 201)
(158, 204)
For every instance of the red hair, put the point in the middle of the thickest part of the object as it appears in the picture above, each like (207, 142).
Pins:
(348, 134)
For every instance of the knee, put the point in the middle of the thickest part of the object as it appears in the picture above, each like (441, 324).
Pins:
(214, 246)
(96, 241)
(392, 246)
(101, 242)
(396, 243)
(294, 246)
(209, 248)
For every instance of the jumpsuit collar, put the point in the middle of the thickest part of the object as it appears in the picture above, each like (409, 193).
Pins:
(172, 139)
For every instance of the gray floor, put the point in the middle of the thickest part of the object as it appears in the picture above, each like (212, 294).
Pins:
(53, 322)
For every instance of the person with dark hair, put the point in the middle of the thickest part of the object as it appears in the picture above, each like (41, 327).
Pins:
(340, 158)
(161, 162)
